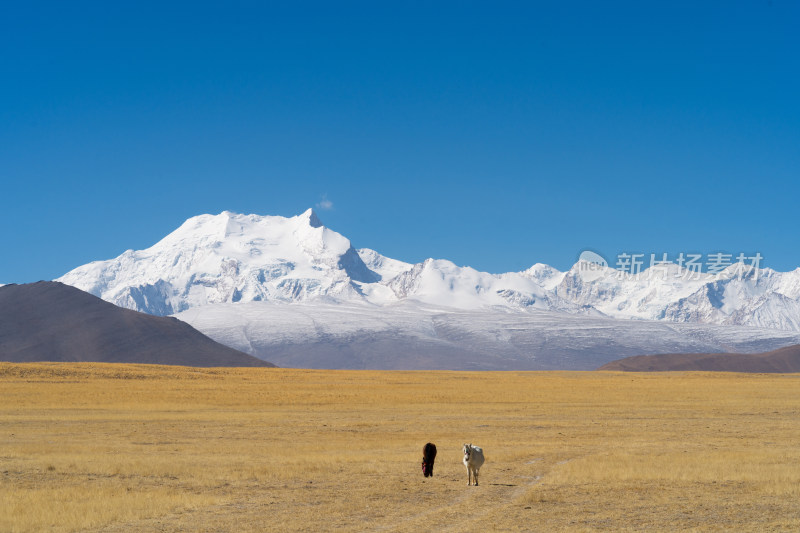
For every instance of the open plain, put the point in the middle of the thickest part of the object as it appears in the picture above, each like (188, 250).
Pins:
(97, 447)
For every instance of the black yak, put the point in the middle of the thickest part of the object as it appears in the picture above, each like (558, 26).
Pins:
(428, 456)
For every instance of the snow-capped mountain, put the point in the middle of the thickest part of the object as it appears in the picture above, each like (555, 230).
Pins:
(384, 267)
(752, 297)
(294, 292)
(441, 282)
(233, 258)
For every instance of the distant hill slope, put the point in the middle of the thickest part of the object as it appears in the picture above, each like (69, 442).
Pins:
(783, 360)
(50, 321)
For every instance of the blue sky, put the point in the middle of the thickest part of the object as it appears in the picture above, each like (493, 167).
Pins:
(494, 135)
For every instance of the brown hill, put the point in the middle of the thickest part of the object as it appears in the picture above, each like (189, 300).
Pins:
(50, 321)
(783, 360)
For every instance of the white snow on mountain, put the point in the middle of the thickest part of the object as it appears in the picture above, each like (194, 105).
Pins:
(441, 282)
(628, 296)
(229, 258)
(545, 276)
(385, 267)
(410, 334)
(762, 299)
(296, 293)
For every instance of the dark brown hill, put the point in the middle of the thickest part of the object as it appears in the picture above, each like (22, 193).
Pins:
(50, 321)
(783, 360)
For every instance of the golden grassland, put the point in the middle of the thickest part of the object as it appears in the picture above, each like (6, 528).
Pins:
(92, 447)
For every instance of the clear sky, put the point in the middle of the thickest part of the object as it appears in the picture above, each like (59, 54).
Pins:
(493, 134)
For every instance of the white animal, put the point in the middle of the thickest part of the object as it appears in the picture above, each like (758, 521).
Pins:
(473, 459)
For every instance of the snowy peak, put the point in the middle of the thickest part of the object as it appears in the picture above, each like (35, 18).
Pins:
(544, 275)
(385, 267)
(229, 257)
(441, 282)
(311, 217)
(739, 295)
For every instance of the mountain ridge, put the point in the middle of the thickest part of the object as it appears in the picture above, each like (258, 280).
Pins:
(230, 258)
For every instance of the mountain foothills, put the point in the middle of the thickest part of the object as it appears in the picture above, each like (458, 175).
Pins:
(49, 321)
(783, 360)
(298, 293)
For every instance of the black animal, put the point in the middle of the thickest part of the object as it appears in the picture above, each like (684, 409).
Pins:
(428, 457)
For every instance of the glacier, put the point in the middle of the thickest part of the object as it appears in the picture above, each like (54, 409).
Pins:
(412, 335)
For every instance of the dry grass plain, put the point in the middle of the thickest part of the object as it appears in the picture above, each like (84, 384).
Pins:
(90, 447)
